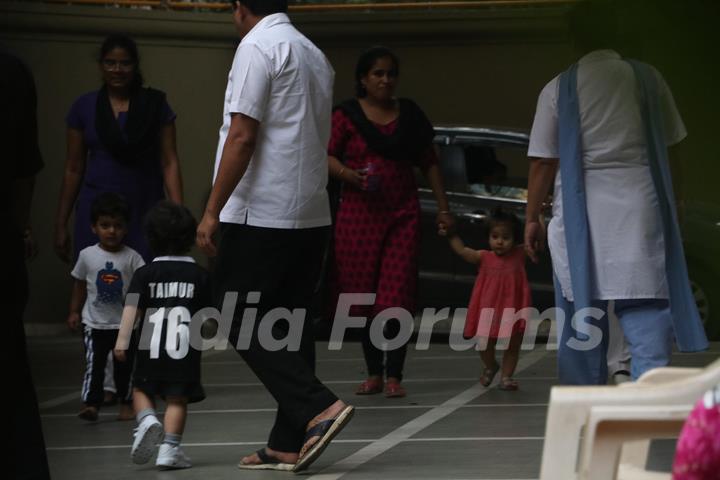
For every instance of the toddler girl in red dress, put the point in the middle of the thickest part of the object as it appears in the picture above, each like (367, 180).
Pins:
(501, 291)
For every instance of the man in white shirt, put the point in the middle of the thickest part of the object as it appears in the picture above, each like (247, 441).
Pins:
(270, 206)
(626, 239)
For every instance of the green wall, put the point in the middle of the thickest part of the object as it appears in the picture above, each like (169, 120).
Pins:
(469, 67)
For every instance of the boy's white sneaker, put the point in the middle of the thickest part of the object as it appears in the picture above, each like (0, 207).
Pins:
(171, 456)
(147, 434)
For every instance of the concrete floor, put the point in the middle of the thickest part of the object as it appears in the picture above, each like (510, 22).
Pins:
(447, 427)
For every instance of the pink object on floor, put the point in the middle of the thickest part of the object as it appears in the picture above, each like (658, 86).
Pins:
(697, 455)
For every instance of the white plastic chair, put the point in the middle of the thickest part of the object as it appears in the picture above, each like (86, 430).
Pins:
(653, 407)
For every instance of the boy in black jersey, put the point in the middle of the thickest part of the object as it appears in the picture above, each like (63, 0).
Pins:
(165, 295)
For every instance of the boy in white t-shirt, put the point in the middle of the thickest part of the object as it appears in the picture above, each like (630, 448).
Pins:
(102, 275)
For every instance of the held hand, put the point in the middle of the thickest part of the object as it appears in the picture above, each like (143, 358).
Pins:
(445, 223)
(120, 355)
(204, 235)
(73, 321)
(356, 178)
(31, 247)
(534, 240)
(62, 243)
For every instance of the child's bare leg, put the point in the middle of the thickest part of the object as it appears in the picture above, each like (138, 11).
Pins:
(487, 354)
(143, 405)
(510, 361)
(175, 414)
(511, 355)
(126, 412)
(149, 429)
(170, 454)
(142, 402)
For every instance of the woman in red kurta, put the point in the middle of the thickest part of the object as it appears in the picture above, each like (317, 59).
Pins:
(376, 141)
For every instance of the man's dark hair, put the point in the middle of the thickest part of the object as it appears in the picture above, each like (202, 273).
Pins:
(110, 204)
(500, 216)
(593, 24)
(365, 63)
(263, 7)
(170, 229)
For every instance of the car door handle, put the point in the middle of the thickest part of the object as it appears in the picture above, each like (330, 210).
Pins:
(474, 217)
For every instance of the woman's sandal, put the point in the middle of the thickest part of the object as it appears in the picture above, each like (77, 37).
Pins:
(370, 386)
(394, 390)
(488, 375)
(508, 383)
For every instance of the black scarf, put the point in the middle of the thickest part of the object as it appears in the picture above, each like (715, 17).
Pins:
(139, 141)
(412, 136)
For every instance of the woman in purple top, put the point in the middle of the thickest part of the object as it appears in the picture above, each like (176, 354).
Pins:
(120, 138)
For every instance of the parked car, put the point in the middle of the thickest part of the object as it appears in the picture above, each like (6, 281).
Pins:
(484, 168)
(700, 223)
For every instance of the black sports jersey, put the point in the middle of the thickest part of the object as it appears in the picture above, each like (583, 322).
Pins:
(171, 293)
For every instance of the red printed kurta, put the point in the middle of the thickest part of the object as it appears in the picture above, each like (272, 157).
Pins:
(377, 233)
(501, 284)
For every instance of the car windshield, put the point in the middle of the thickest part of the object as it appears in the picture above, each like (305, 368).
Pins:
(496, 170)
(484, 168)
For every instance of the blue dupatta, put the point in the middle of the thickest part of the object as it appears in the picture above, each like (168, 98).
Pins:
(689, 333)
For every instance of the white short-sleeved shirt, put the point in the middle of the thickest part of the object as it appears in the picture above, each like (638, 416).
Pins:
(107, 276)
(623, 216)
(281, 79)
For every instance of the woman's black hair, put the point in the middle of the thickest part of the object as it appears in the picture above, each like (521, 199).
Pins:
(128, 44)
(170, 229)
(366, 61)
(500, 216)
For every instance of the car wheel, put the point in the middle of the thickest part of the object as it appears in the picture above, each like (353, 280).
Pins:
(704, 288)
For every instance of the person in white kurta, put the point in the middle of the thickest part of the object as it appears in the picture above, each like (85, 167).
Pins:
(625, 228)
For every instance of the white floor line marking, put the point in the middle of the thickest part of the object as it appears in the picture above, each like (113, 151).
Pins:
(273, 410)
(473, 439)
(319, 360)
(351, 382)
(78, 395)
(411, 428)
(263, 442)
(459, 356)
(60, 400)
(348, 382)
(456, 356)
(334, 382)
(326, 382)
